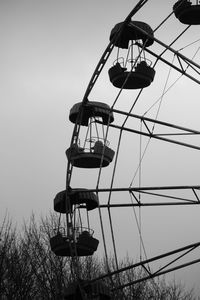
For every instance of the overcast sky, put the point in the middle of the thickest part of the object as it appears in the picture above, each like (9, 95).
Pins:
(48, 52)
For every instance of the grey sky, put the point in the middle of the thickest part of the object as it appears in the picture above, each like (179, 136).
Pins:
(48, 52)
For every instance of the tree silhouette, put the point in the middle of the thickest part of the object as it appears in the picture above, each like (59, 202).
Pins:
(29, 269)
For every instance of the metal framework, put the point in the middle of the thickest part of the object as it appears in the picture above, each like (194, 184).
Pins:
(164, 195)
(160, 192)
(181, 131)
(170, 266)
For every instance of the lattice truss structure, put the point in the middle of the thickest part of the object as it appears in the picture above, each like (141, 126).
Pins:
(133, 161)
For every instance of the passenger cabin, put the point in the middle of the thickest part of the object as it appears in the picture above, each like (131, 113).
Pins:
(95, 157)
(64, 201)
(122, 33)
(83, 245)
(82, 113)
(141, 77)
(87, 290)
(132, 71)
(186, 12)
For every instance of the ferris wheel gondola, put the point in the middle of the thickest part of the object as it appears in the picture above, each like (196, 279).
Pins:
(95, 151)
(141, 74)
(186, 12)
(76, 241)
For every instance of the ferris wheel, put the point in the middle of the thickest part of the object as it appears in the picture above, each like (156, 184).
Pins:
(117, 150)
